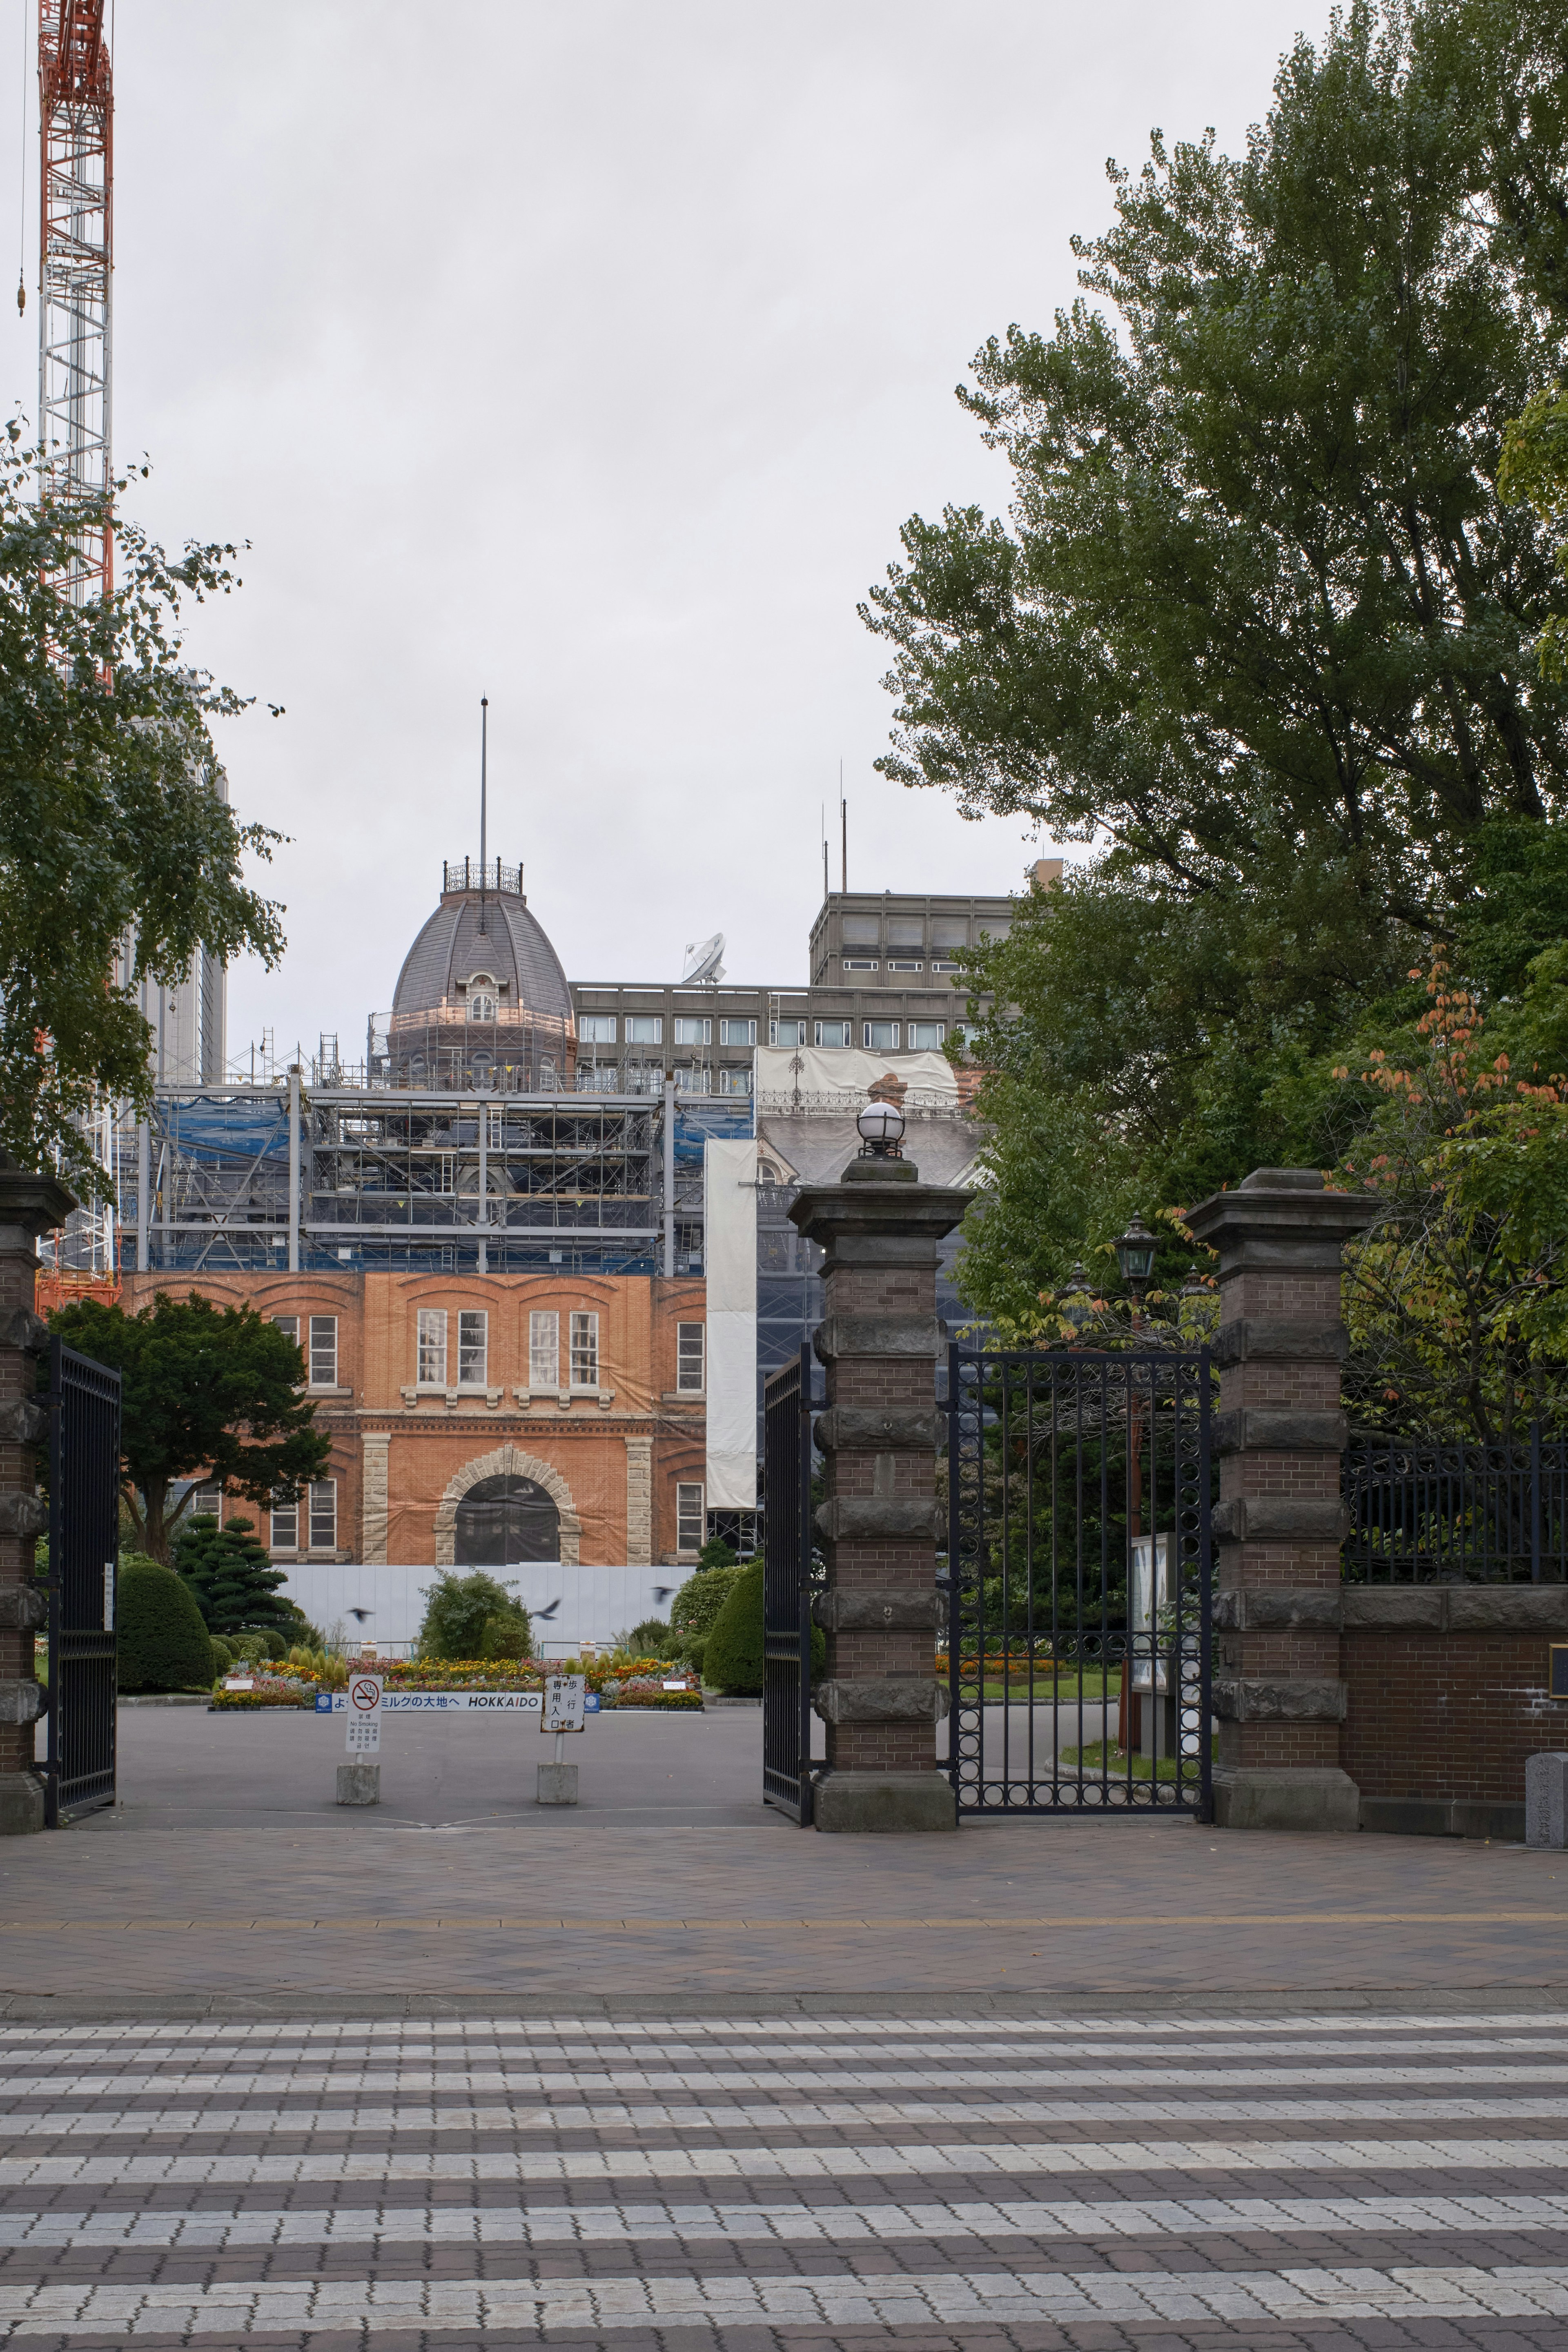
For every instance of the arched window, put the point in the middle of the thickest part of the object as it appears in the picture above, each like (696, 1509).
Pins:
(504, 1522)
(482, 1004)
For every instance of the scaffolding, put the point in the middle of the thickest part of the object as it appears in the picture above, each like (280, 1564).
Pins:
(286, 1177)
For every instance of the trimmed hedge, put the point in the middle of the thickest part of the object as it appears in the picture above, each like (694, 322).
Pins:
(733, 1653)
(162, 1643)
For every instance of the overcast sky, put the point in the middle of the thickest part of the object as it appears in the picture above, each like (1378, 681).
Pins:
(590, 354)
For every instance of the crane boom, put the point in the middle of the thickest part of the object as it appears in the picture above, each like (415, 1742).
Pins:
(76, 180)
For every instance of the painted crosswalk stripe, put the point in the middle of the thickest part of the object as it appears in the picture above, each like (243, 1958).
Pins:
(907, 2298)
(876, 2161)
(636, 2224)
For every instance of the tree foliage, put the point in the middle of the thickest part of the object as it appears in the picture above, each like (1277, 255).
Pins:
(110, 820)
(473, 1616)
(1260, 627)
(230, 1571)
(161, 1641)
(207, 1392)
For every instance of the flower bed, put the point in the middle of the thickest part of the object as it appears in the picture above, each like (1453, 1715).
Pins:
(268, 1690)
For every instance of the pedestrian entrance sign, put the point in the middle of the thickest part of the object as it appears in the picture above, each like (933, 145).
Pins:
(564, 1697)
(364, 1715)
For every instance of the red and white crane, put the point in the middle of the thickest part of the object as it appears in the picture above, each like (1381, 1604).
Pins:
(75, 260)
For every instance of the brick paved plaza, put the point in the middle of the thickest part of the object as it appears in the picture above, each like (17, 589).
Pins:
(669, 2073)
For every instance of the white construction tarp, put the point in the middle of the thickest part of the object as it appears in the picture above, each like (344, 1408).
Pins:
(823, 1078)
(567, 1605)
(730, 1263)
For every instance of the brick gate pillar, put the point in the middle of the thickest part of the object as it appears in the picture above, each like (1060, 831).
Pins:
(1280, 1437)
(29, 1205)
(880, 1340)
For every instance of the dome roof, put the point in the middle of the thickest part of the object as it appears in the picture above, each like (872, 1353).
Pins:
(512, 952)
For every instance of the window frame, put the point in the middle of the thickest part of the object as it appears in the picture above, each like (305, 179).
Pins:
(289, 1514)
(843, 1043)
(311, 1358)
(728, 1027)
(645, 1028)
(468, 1348)
(327, 1512)
(689, 1516)
(735, 1081)
(869, 1045)
(683, 1359)
(431, 1315)
(795, 1045)
(596, 1029)
(583, 1327)
(693, 1029)
(538, 1315)
(916, 1046)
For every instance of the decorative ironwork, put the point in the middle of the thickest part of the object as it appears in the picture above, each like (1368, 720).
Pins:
(1078, 1582)
(787, 1407)
(1456, 1513)
(84, 1575)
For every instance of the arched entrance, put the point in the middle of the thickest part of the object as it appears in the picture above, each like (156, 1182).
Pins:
(505, 1520)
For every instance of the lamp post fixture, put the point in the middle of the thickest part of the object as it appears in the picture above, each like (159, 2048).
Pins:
(1077, 1297)
(1135, 1256)
(881, 1126)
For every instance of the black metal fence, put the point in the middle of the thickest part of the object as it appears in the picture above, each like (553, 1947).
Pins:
(1079, 1579)
(786, 1587)
(84, 1565)
(1456, 1513)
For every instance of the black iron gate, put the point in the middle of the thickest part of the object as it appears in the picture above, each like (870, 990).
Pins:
(1078, 1565)
(786, 1588)
(84, 1562)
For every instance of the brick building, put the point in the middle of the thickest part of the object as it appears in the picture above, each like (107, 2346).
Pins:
(477, 1420)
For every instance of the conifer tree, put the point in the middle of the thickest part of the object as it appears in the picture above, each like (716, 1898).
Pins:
(234, 1582)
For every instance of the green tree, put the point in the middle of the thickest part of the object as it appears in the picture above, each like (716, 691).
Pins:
(473, 1616)
(229, 1570)
(161, 1642)
(108, 819)
(694, 1609)
(733, 1653)
(207, 1393)
(1259, 628)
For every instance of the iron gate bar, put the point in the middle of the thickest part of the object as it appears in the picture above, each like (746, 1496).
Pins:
(788, 1408)
(1094, 1436)
(83, 1581)
(1457, 1510)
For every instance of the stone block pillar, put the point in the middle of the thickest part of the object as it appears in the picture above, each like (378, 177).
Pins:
(639, 1501)
(373, 1507)
(29, 1205)
(1280, 1437)
(880, 1339)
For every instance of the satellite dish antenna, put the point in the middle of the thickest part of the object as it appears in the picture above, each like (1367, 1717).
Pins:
(702, 961)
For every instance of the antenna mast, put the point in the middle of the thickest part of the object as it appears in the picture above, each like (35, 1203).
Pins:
(484, 794)
(76, 183)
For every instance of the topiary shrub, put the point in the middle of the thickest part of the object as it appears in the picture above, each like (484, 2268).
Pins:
(162, 1643)
(651, 1639)
(462, 1613)
(733, 1653)
(716, 1553)
(695, 1611)
(230, 1572)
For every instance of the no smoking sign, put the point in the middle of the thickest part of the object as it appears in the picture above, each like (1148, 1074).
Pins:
(364, 1715)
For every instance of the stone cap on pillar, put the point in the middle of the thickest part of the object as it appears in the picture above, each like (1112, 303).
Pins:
(867, 1224)
(31, 1203)
(1279, 1218)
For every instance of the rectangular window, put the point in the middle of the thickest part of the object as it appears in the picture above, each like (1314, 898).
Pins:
(859, 963)
(545, 1349)
(206, 1503)
(473, 1348)
(737, 1033)
(585, 1351)
(689, 1357)
(943, 963)
(688, 1533)
(694, 1082)
(323, 1496)
(285, 1527)
(790, 1033)
(290, 1326)
(691, 1031)
(880, 1036)
(432, 1346)
(899, 964)
(323, 1352)
(645, 1028)
(906, 931)
(965, 1033)
(734, 1082)
(949, 931)
(927, 1037)
(833, 1033)
(601, 1078)
(596, 1028)
(861, 930)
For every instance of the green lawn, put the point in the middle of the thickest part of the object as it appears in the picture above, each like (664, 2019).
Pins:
(1105, 1756)
(1093, 1684)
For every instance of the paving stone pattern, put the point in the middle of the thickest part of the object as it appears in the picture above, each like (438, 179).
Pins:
(1249, 2181)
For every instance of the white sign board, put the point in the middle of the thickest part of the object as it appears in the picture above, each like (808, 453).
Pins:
(418, 1702)
(563, 1696)
(363, 1712)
